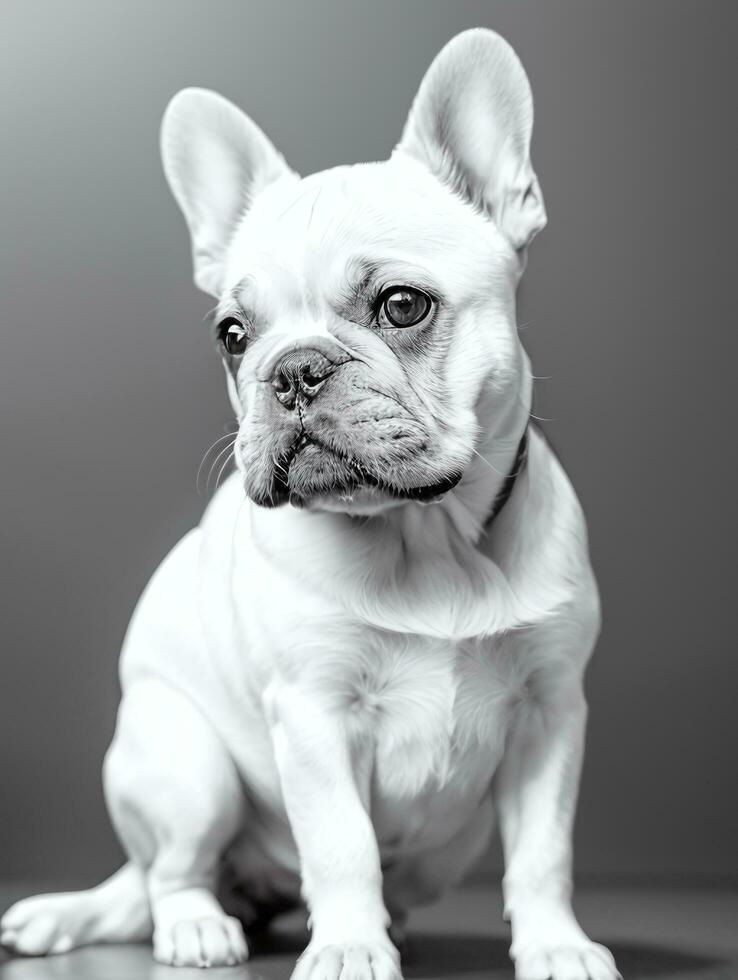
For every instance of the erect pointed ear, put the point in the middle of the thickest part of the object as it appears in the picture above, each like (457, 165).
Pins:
(216, 161)
(471, 124)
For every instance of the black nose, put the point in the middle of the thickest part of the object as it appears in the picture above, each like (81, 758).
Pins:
(300, 372)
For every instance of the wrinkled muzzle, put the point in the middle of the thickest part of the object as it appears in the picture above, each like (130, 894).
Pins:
(319, 423)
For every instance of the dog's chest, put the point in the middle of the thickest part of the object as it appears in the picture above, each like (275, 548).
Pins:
(432, 714)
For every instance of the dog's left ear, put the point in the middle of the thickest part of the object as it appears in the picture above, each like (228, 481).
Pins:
(216, 161)
(471, 124)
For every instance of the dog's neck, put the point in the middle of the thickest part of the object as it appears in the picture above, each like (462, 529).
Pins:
(508, 484)
(497, 457)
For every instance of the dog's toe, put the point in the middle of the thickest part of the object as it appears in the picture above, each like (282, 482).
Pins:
(532, 966)
(567, 963)
(222, 941)
(186, 944)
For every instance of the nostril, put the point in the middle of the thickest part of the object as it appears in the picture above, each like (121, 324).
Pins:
(281, 383)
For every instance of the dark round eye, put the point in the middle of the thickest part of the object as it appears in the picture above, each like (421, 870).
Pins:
(403, 306)
(232, 335)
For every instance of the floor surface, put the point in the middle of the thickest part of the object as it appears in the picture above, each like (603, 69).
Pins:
(669, 934)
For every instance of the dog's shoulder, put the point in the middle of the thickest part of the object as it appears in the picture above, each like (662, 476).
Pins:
(541, 544)
(543, 507)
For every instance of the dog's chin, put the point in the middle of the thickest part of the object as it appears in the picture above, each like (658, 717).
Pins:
(316, 478)
(361, 501)
(366, 499)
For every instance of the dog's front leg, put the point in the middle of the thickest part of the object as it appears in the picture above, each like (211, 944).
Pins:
(535, 791)
(339, 857)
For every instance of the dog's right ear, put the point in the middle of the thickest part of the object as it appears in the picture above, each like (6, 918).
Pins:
(216, 161)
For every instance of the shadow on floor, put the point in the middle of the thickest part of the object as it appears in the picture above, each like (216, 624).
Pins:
(447, 956)
(427, 956)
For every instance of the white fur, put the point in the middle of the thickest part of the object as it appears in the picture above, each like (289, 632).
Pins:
(324, 692)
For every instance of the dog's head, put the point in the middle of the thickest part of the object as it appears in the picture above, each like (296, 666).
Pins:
(365, 313)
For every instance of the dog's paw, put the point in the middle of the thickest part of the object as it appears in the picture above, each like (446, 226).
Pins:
(48, 924)
(580, 961)
(213, 940)
(43, 924)
(349, 961)
(191, 929)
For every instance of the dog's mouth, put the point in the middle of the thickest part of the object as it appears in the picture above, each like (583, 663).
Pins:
(310, 469)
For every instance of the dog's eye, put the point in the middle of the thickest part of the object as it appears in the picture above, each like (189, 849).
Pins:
(232, 335)
(403, 306)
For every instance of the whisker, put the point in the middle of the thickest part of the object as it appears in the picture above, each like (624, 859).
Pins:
(228, 459)
(279, 468)
(205, 456)
(537, 418)
(491, 466)
(215, 462)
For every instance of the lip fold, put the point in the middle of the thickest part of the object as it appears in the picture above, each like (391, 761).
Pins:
(347, 476)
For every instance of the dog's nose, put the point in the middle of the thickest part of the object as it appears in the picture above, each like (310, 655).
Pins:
(300, 372)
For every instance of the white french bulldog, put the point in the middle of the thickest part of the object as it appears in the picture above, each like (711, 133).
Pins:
(377, 636)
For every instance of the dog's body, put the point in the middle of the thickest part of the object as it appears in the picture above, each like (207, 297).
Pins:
(330, 695)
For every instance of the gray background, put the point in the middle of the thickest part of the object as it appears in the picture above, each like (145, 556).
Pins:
(110, 393)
